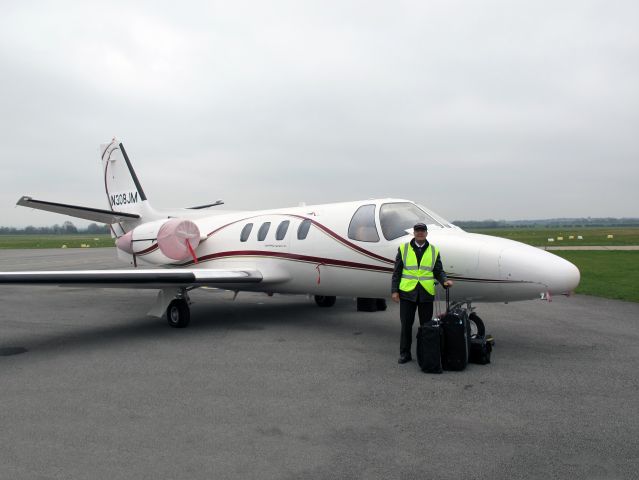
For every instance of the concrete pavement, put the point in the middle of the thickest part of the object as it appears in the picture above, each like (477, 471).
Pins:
(274, 387)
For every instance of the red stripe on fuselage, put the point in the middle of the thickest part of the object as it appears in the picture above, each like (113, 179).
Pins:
(324, 228)
(348, 243)
(148, 249)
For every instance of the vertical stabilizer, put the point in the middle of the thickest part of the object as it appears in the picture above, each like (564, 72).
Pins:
(123, 188)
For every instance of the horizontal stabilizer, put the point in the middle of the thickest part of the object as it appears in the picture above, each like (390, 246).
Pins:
(93, 214)
(138, 278)
(208, 205)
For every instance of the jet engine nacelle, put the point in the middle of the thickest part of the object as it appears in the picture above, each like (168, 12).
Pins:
(163, 241)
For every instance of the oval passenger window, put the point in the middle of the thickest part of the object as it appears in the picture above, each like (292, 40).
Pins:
(261, 233)
(246, 231)
(302, 230)
(282, 228)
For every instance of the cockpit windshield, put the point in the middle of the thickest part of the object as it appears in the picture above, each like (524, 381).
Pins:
(437, 217)
(396, 218)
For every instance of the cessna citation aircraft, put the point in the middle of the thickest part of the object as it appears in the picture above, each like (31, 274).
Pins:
(345, 249)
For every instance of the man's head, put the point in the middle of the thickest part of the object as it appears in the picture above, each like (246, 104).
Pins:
(420, 230)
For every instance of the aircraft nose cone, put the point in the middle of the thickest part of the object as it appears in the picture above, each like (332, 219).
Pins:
(568, 278)
(527, 263)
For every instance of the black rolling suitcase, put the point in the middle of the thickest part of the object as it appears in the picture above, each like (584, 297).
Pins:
(429, 356)
(456, 339)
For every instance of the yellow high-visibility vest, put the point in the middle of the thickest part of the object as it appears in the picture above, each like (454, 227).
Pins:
(422, 273)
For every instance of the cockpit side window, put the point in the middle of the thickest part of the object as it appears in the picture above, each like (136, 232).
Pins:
(362, 226)
(396, 218)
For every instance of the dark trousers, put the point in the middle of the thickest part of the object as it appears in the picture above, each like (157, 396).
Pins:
(407, 316)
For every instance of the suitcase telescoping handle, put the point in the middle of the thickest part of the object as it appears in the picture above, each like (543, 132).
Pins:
(447, 299)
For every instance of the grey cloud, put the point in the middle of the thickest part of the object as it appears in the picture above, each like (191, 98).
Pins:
(510, 110)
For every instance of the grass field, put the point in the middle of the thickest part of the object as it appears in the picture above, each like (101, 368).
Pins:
(591, 235)
(610, 274)
(55, 241)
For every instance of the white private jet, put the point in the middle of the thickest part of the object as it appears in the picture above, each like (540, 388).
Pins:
(345, 249)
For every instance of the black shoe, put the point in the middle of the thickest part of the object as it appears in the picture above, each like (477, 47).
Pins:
(404, 358)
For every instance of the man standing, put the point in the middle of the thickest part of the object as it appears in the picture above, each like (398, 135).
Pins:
(417, 265)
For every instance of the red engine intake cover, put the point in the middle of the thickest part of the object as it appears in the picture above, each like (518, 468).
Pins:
(177, 238)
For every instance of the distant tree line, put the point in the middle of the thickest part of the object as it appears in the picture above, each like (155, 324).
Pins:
(550, 223)
(67, 228)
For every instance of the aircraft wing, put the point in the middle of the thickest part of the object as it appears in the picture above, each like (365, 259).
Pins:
(87, 213)
(137, 278)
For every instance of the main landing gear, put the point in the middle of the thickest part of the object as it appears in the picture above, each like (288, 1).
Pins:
(371, 304)
(363, 304)
(175, 304)
(178, 313)
(325, 301)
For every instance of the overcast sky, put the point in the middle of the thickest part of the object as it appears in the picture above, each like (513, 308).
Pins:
(477, 109)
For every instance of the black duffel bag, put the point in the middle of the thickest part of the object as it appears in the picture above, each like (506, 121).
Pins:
(481, 347)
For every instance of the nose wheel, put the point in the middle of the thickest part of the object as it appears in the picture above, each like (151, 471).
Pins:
(480, 328)
(178, 313)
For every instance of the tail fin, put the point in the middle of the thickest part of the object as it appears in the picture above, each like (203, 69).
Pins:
(128, 205)
(122, 186)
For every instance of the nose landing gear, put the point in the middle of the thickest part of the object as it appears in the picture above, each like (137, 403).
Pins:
(476, 326)
(480, 328)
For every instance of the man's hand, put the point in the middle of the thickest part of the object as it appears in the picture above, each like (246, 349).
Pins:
(448, 283)
(395, 297)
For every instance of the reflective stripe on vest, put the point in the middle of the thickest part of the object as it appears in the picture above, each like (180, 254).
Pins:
(413, 273)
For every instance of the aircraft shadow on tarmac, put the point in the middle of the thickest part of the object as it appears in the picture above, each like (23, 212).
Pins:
(207, 317)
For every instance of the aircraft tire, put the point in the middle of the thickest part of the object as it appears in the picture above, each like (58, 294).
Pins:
(479, 324)
(178, 313)
(325, 301)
